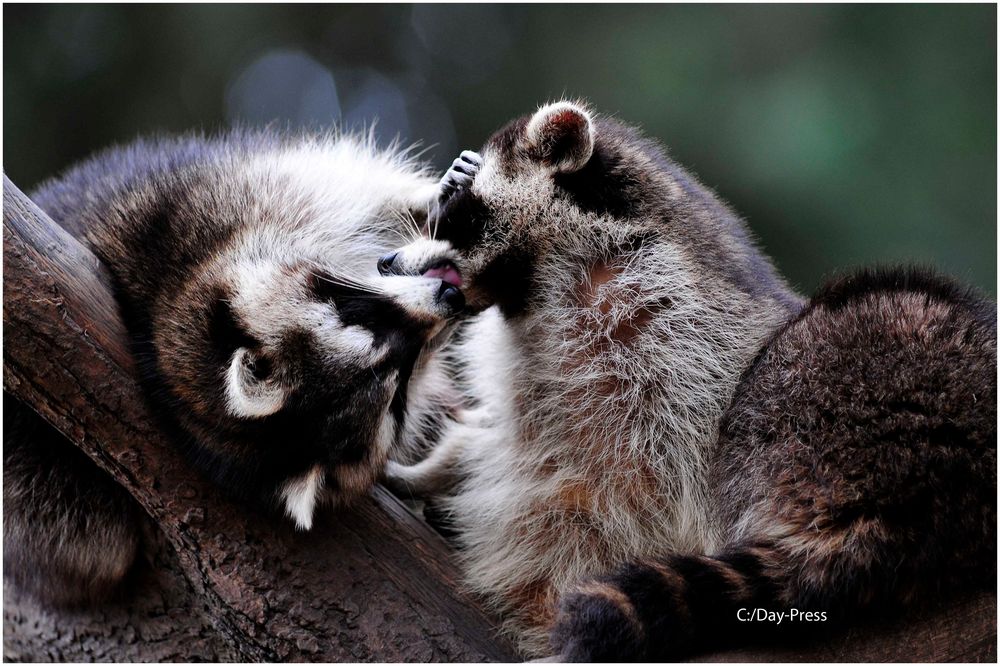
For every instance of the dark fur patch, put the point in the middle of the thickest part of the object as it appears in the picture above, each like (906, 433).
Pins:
(225, 332)
(508, 140)
(70, 532)
(604, 185)
(760, 586)
(377, 313)
(705, 589)
(898, 279)
(508, 279)
(461, 220)
(594, 628)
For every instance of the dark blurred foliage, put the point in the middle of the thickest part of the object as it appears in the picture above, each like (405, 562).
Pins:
(844, 134)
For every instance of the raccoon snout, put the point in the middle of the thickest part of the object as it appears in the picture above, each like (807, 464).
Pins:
(448, 292)
(387, 264)
(451, 296)
(445, 271)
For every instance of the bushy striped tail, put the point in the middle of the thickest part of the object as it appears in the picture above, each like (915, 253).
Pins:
(667, 608)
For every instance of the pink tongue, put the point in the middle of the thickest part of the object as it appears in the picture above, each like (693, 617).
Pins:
(448, 273)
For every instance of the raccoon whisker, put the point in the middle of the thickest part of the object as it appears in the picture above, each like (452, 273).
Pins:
(409, 223)
(412, 153)
(411, 228)
(367, 291)
(404, 239)
(345, 281)
(415, 228)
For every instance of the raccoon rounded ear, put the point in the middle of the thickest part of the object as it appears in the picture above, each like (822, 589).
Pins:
(561, 136)
(251, 390)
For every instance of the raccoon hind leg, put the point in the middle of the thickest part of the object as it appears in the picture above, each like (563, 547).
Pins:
(856, 470)
(863, 441)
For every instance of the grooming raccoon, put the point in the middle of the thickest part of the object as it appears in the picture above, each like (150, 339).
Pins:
(857, 459)
(244, 268)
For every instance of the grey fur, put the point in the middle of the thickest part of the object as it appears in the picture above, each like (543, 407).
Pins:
(268, 345)
(631, 304)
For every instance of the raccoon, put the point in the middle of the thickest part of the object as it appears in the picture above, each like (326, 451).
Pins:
(662, 432)
(272, 349)
(71, 534)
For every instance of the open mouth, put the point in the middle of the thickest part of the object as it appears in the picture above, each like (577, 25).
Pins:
(444, 270)
(450, 292)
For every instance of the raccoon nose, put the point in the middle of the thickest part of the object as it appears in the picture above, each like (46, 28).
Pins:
(451, 296)
(386, 263)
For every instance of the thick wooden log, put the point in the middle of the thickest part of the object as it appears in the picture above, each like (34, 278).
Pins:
(372, 583)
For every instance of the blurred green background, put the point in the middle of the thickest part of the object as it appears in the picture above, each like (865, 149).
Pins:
(845, 134)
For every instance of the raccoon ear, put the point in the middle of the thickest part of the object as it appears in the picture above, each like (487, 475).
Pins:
(561, 136)
(251, 390)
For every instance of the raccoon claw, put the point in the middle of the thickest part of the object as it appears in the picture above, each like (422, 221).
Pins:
(461, 173)
(472, 157)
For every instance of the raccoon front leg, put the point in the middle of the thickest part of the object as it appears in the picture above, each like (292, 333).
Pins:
(459, 176)
(438, 472)
(461, 173)
(426, 202)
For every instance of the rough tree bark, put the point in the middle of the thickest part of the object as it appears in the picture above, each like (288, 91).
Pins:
(221, 581)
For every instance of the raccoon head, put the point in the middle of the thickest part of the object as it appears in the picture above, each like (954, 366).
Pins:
(291, 379)
(543, 178)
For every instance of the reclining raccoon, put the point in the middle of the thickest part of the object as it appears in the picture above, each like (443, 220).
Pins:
(665, 432)
(244, 269)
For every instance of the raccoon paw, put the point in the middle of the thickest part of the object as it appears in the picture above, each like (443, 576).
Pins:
(478, 417)
(426, 478)
(596, 622)
(398, 478)
(460, 175)
(438, 472)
